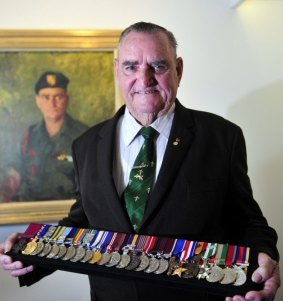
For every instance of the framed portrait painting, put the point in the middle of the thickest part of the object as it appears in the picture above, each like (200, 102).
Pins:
(84, 58)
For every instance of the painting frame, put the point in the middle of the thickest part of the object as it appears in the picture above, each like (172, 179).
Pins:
(52, 40)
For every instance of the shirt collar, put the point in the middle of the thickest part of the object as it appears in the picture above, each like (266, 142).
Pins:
(130, 127)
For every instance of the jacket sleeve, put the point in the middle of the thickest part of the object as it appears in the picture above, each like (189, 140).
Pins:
(243, 215)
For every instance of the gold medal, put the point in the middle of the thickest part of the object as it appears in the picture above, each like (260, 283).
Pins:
(30, 247)
(39, 248)
(95, 257)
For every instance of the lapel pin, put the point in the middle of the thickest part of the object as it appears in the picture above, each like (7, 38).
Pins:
(176, 142)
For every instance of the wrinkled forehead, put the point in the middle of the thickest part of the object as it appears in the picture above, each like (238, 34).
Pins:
(136, 44)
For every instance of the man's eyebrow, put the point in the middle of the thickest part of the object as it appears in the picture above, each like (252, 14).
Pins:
(129, 63)
(159, 62)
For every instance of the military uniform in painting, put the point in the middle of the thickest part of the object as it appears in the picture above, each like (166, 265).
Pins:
(46, 164)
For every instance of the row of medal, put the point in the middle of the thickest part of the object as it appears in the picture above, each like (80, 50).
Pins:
(223, 263)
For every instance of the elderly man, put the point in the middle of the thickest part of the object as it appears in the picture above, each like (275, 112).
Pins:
(197, 175)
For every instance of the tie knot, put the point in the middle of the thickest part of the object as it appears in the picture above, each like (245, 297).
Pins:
(147, 132)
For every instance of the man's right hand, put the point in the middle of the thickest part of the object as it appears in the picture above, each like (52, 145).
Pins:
(16, 268)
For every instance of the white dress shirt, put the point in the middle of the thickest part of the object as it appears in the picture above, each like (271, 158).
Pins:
(128, 144)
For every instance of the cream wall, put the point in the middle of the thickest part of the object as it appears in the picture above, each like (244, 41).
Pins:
(233, 67)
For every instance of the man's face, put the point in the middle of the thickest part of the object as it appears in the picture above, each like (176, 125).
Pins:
(148, 73)
(52, 102)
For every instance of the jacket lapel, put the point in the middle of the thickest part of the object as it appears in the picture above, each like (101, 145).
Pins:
(178, 144)
(106, 151)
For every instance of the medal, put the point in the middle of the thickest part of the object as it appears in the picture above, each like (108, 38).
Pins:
(163, 266)
(105, 239)
(83, 240)
(144, 263)
(71, 252)
(76, 252)
(96, 256)
(34, 230)
(125, 260)
(114, 259)
(30, 247)
(46, 250)
(46, 238)
(40, 244)
(115, 256)
(134, 263)
(192, 270)
(173, 264)
(53, 239)
(241, 276)
(62, 252)
(54, 251)
(89, 237)
(80, 254)
(215, 274)
(104, 258)
(60, 242)
(230, 276)
(179, 270)
(95, 245)
(153, 265)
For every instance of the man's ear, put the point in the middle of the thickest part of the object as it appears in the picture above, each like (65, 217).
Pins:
(179, 68)
(116, 67)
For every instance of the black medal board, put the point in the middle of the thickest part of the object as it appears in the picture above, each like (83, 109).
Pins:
(191, 284)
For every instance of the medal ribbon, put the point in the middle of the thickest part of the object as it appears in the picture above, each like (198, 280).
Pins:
(221, 254)
(106, 240)
(231, 255)
(131, 244)
(210, 250)
(179, 247)
(89, 237)
(64, 235)
(169, 247)
(188, 250)
(150, 244)
(32, 230)
(42, 231)
(124, 243)
(57, 233)
(97, 240)
(70, 238)
(111, 242)
(79, 236)
(120, 241)
(142, 243)
(243, 256)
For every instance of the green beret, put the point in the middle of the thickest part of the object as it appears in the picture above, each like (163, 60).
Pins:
(51, 79)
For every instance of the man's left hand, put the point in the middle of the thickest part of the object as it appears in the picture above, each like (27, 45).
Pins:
(267, 273)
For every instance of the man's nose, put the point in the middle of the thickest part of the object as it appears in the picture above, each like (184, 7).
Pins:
(146, 77)
(53, 101)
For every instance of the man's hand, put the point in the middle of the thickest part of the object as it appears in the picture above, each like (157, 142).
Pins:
(16, 268)
(268, 273)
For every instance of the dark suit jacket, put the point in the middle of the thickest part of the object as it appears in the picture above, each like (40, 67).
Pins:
(202, 193)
